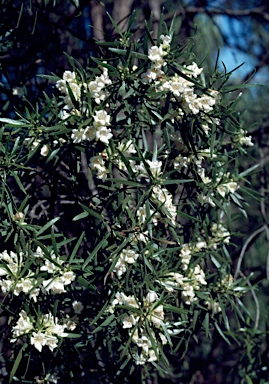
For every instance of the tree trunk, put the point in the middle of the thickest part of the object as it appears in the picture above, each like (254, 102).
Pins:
(121, 11)
(97, 13)
(155, 6)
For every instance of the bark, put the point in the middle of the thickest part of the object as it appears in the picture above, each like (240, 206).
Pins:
(121, 10)
(155, 6)
(97, 14)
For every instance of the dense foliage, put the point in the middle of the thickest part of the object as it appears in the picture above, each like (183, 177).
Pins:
(121, 202)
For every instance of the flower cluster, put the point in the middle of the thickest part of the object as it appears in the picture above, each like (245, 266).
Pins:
(156, 55)
(187, 284)
(11, 266)
(18, 279)
(44, 331)
(127, 256)
(150, 311)
(61, 276)
(98, 130)
(69, 85)
(97, 87)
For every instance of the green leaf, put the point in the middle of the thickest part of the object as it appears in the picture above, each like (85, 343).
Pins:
(171, 308)
(18, 181)
(102, 244)
(126, 182)
(73, 335)
(114, 25)
(249, 170)
(105, 323)
(12, 122)
(81, 216)
(91, 212)
(206, 325)
(117, 50)
(17, 362)
(53, 79)
(221, 333)
(76, 247)
(176, 181)
(83, 282)
(46, 226)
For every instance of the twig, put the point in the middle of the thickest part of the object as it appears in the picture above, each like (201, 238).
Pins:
(243, 251)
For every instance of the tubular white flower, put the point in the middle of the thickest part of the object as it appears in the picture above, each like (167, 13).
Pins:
(103, 134)
(51, 342)
(77, 306)
(38, 339)
(155, 167)
(101, 118)
(156, 54)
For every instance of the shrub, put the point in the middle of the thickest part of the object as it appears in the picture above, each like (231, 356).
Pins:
(118, 206)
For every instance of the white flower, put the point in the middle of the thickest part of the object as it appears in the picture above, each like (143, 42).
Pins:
(193, 70)
(185, 254)
(17, 289)
(6, 285)
(44, 150)
(155, 167)
(69, 76)
(97, 163)
(156, 54)
(121, 298)
(38, 339)
(90, 133)
(232, 186)
(129, 256)
(152, 356)
(142, 215)
(61, 85)
(78, 135)
(166, 40)
(101, 118)
(70, 324)
(151, 297)
(156, 315)
(246, 140)
(129, 321)
(76, 89)
(56, 285)
(58, 330)
(199, 276)
(103, 134)
(188, 294)
(206, 199)
(23, 325)
(68, 277)
(152, 74)
(214, 306)
(97, 86)
(126, 147)
(34, 293)
(64, 113)
(77, 306)
(51, 341)
(3, 271)
(207, 103)
(205, 179)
